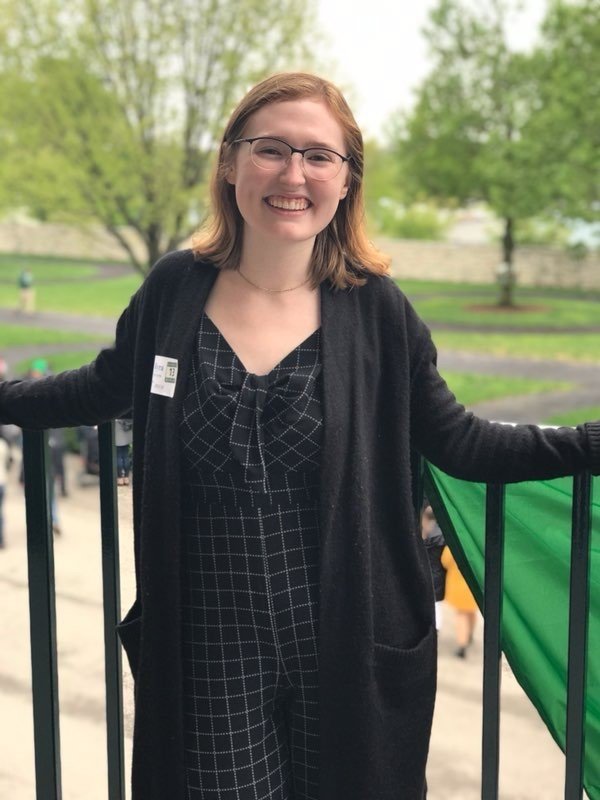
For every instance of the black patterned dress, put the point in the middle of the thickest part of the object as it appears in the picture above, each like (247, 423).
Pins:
(251, 449)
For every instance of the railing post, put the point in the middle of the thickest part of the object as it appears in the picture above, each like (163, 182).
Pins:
(112, 613)
(492, 639)
(42, 616)
(578, 629)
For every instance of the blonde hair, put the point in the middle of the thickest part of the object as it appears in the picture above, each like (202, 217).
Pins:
(342, 252)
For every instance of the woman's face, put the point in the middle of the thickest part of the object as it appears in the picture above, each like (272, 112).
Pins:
(284, 204)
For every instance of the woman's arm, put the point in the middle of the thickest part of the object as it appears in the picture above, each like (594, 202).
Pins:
(89, 395)
(474, 449)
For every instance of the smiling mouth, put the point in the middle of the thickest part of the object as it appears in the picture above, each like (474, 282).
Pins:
(288, 203)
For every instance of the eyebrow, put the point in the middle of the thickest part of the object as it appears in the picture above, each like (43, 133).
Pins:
(313, 143)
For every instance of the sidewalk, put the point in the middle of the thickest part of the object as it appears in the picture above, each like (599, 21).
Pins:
(531, 764)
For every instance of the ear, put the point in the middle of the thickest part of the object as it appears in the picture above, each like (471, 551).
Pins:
(230, 176)
(344, 191)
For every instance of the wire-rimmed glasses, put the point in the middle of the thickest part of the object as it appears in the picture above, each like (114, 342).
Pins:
(319, 163)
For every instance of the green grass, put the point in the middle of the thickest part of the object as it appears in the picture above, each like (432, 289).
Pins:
(10, 271)
(106, 298)
(411, 286)
(582, 347)
(547, 311)
(575, 417)
(33, 261)
(60, 361)
(470, 388)
(16, 336)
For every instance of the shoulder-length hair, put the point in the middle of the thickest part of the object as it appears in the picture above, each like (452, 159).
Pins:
(342, 252)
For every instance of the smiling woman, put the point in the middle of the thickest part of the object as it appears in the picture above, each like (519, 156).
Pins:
(342, 251)
(282, 639)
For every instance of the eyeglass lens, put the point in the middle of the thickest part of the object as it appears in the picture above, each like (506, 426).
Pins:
(319, 163)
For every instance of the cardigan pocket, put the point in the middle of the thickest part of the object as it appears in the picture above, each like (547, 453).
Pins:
(129, 630)
(403, 674)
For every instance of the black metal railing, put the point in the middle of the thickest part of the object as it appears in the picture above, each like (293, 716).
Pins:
(43, 624)
(579, 601)
(43, 615)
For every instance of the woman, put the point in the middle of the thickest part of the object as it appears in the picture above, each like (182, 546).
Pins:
(282, 639)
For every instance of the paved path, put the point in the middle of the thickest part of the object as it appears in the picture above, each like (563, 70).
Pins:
(535, 407)
(78, 323)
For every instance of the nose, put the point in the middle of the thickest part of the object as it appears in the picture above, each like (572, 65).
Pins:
(293, 172)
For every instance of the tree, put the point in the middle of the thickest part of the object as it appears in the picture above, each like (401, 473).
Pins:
(470, 134)
(564, 133)
(114, 106)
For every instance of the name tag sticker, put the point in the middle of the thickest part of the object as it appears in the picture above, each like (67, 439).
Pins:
(164, 376)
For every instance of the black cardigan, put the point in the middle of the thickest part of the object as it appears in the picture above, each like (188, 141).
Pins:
(382, 395)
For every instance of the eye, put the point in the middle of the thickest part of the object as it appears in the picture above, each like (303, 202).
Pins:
(321, 157)
(268, 148)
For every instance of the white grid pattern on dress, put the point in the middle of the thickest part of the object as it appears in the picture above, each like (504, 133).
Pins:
(269, 418)
(251, 549)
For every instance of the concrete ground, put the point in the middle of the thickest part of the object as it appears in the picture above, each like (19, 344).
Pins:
(531, 764)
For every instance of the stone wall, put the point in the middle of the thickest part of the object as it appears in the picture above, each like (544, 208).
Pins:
(53, 239)
(476, 263)
(472, 263)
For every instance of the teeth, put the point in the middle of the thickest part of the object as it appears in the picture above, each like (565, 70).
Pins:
(288, 204)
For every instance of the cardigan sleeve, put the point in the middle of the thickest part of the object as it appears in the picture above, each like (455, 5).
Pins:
(94, 393)
(471, 448)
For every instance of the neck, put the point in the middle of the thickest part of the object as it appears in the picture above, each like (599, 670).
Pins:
(278, 266)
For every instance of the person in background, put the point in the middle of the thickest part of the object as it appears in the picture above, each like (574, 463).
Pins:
(433, 538)
(459, 596)
(123, 439)
(57, 443)
(26, 292)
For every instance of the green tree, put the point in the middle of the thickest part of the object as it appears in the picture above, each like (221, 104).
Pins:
(470, 134)
(564, 133)
(382, 180)
(114, 106)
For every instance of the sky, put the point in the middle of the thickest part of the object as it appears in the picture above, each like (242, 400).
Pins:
(378, 55)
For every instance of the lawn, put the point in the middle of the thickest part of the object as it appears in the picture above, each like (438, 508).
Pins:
(471, 388)
(479, 310)
(44, 268)
(48, 267)
(60, 361)
(17, 336)
(523, 294)
(583, 347)
(436, 301)
(575, 417)
(105, 298)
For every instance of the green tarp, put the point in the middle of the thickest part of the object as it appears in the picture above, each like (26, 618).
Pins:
(536, 590)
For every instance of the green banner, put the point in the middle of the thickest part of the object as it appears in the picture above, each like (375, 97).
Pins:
(536, 591)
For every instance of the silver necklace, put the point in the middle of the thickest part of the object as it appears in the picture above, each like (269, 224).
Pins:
(273, 291)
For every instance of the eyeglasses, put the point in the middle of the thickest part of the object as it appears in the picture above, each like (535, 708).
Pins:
(319, 163)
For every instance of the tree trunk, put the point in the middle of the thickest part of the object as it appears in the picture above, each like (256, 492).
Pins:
(506, 275)
(153, 237)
